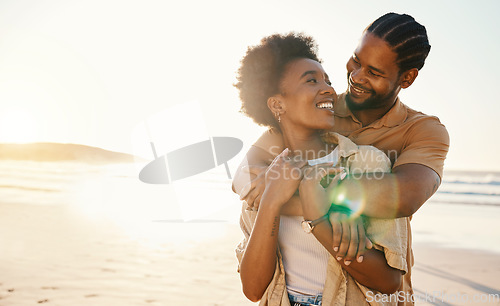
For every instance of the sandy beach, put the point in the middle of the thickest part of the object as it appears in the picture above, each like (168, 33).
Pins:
(444, 276)
(51, 255)
(56, 251)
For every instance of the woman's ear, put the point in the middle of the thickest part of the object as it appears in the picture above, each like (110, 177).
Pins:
(275, 105)
(408, 77)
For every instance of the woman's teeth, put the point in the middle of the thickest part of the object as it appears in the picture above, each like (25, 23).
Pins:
(325, 105)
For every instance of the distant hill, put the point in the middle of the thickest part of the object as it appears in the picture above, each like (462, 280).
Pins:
(61, 152)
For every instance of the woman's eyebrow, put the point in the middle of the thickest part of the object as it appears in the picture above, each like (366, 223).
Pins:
(307, 73)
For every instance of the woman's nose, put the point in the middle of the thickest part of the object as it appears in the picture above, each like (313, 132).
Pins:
(329, 90)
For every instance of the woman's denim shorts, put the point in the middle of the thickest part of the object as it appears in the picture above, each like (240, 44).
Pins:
(304, 300)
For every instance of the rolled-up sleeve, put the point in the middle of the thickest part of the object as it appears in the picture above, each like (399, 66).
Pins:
(247, 219)
(391, 237)
(427, 143)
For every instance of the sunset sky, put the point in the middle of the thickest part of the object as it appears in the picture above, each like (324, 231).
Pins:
(101, 73)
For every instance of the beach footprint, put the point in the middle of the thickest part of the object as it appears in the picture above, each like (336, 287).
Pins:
(91, 295)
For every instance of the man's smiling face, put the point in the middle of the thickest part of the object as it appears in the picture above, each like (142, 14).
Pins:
(373, 75)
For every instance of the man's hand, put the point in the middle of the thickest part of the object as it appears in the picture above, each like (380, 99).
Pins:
(349, 237)
(252, 192)
(248, 181)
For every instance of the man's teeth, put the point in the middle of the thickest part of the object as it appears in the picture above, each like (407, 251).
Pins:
(358, 90)
(325, 105)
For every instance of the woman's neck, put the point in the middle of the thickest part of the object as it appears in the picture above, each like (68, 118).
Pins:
(308, 145)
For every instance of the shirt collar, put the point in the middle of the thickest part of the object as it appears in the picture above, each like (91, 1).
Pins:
(345, 146)
(340, 108)
(395, 116)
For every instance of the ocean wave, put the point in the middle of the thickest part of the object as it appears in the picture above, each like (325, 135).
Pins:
(477, 181)
(493, 193)
(491, 178)
(478, 203)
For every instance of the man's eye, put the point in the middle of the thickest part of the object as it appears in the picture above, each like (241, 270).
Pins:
(312, 80)
(374, 74)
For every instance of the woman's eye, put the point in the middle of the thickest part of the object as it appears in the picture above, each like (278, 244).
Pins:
(373, 73)
(312, 80)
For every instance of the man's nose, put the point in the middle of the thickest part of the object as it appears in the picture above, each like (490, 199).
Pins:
(357, 76)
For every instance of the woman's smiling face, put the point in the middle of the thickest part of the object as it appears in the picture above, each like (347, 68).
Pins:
(307, 95)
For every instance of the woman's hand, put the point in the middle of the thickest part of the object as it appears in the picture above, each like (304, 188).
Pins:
(282, 178)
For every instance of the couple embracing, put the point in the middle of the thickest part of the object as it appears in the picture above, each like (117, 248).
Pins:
(330, 188)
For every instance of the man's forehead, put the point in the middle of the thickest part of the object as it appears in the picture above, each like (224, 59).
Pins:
(376, 52)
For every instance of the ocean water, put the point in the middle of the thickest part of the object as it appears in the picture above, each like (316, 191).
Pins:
(469, 188)
(115, 191)
(463, 213)
(49, 183)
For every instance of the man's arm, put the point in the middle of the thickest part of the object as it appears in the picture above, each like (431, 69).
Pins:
(389, 195)
(373, 271)
(248, 181)
(393, 195)
(415, 176)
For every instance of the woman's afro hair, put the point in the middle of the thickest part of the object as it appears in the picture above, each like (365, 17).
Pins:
(261, 70)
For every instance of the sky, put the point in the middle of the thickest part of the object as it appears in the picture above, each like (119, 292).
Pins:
(121, 74)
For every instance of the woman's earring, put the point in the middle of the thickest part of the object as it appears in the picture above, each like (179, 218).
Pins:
(277, 114)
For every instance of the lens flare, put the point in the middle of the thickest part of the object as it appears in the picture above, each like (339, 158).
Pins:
(355, 202)
(377, 229)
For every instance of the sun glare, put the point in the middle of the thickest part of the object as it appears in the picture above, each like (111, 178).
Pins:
(17, 126)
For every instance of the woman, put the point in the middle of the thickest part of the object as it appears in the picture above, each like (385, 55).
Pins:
(283, 85)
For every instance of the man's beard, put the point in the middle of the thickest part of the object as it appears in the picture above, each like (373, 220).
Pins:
(374, 102)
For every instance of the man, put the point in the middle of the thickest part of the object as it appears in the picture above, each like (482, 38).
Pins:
(388, 58)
